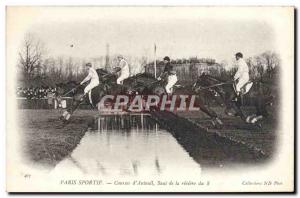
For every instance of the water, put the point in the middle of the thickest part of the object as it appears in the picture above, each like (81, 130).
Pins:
(128, 145)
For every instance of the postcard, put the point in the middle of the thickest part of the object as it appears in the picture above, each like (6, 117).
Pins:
(150, 99)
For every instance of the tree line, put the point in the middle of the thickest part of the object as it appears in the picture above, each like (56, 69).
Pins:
(33, 62)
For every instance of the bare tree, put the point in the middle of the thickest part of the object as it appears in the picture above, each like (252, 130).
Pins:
(30, 57)
(272, 61)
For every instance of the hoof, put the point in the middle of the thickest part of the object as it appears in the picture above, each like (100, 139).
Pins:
(213, 123)
(250, 118)
(229, 113)
(216, 122)
(65, 113)
(253, 119)
(65, 116)
(219, 121)
(256, 118)
(68, 116)
(259, 117)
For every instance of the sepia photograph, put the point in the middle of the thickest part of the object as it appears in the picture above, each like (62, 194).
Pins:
(150, 99)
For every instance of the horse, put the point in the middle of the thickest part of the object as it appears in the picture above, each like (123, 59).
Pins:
(146, 83)
(211, 86)
(76, 92)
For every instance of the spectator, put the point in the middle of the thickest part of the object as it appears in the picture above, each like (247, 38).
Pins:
(35, 93)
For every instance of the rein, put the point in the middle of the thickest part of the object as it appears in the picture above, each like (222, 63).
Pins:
(70, 91)
(105, 75)
(215, 85)
(212, 78)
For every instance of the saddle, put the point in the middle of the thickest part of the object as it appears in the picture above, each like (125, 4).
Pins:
(88, 95)
(245, 89)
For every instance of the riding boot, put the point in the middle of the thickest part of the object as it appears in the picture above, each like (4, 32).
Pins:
(235, 97)
(239, 101)
(83, 97)
(227, 111)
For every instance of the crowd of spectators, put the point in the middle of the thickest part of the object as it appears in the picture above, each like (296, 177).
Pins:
(36, 92)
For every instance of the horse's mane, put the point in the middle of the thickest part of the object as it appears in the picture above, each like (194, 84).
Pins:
(101, 71)
(67, 84)
(73, 82)
(213, 77)
(145, 75)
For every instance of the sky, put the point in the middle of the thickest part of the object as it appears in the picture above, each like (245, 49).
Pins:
(179, 35)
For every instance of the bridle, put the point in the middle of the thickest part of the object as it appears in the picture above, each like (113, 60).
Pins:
(212, 86)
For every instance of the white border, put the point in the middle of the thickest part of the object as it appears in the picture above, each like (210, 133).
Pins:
(4, 3)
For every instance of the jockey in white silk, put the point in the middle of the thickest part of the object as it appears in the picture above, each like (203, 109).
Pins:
(93, 77)
(124, 70)
(242, 74)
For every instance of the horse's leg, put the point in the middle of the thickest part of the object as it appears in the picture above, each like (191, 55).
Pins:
(238, 110)
(248, 119)
(260, 104)
(208, 111)
(211, 113)
(228, 101)
(67, 113)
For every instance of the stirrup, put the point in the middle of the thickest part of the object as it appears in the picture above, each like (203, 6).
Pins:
(82, 97)
(235, 99)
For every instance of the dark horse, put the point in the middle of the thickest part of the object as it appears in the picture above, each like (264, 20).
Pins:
(107, 86)
(138, 84)
(146, 83)
(75, 91)
(211, 87)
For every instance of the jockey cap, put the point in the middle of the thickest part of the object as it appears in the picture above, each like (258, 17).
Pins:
(88, 64)
(239, 54)
(167, 58)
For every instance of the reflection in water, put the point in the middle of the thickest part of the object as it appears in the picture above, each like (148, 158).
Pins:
(209, 149)
(128, 145)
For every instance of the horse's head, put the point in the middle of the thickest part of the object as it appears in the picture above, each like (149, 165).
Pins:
(202, 81)
(137, 79)
(139, 82)
(106, 76)
(68, 89)
(101, 72)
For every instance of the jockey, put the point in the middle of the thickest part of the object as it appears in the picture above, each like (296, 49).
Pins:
(242, 74)
(170, 73)
(92, 76)
(124, 69)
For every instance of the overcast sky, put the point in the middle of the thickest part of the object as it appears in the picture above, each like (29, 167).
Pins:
(178, 37)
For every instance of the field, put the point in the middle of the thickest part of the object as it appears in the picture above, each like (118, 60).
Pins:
(47, 140)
